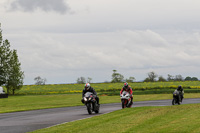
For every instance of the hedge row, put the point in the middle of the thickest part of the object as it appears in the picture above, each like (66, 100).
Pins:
(153, 91)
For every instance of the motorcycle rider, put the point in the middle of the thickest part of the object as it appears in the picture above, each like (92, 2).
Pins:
(129, 90)
(181, 92)
(88, 88)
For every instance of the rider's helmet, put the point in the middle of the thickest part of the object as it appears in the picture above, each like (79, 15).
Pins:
(126, 85)
(179, 88)
(87, 86)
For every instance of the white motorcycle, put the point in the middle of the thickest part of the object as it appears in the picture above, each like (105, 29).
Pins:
(126, 99)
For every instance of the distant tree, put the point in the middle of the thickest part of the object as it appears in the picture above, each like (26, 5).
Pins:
(16, 76)
(170, 78)
(117, 77)
(114, 71)
(81, 80)
(161, 79)
(152, 76)
(178, 78)
(188, 78)
(131, 79)
(147, 80)
(40, 81)
(89, 80)
(195, 79)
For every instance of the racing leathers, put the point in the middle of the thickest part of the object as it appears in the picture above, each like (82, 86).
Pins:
(129, 90)
(181, 92)
(92, 91)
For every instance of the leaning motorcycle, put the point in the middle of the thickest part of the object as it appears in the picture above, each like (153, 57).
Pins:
(126, 99)
(91, 103)
(176, 98)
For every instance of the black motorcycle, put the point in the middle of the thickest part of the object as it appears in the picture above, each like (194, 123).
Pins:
(176, 98)
(91, 103)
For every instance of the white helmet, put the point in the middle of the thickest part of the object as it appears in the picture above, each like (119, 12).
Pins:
(87, 86)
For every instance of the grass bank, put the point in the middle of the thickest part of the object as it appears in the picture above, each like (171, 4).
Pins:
(169, 119)
(110, 88)
(32, 102)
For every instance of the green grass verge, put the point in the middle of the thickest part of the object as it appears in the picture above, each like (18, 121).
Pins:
(168, 119)
(33, 102)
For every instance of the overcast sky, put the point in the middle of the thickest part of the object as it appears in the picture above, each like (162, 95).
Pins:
(61, 40)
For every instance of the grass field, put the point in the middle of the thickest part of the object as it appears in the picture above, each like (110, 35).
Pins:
(138, 87)
(168, 119)
(32, 102)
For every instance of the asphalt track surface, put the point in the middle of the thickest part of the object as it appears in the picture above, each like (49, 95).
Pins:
(26, 121)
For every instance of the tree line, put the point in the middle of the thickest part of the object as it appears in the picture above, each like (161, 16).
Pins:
(11, 75)
(151, 77)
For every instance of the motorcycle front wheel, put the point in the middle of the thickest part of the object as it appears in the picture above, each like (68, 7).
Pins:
(123, 103)
(89, 108)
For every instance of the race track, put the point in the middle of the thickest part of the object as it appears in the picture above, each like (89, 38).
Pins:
(21, 122)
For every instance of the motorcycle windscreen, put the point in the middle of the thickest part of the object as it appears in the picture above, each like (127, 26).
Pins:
(87, 94)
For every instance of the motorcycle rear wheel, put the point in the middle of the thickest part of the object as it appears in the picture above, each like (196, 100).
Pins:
(173, 102)
(97, 109)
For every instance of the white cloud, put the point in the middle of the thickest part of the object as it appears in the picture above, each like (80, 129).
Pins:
(59, 6)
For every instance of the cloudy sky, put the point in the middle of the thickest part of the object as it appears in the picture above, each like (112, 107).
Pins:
(61, 40)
